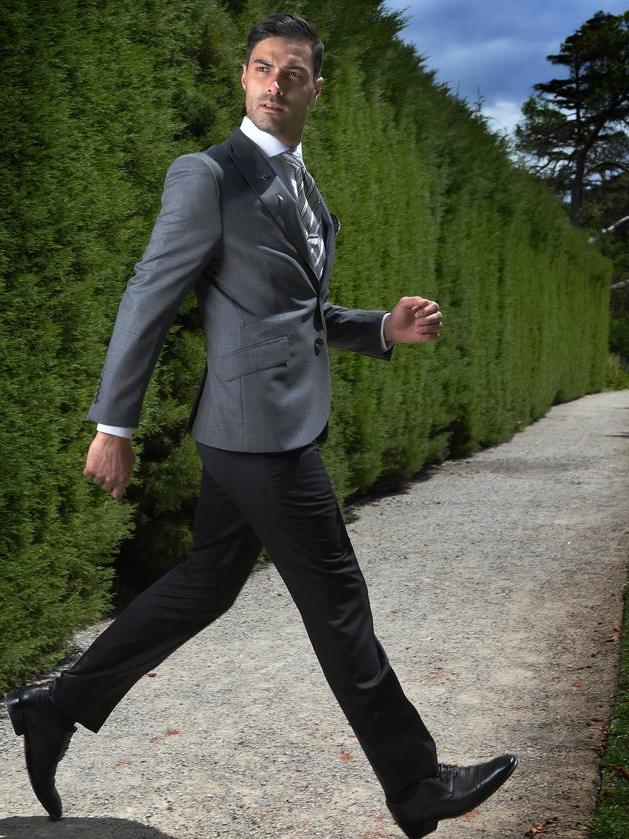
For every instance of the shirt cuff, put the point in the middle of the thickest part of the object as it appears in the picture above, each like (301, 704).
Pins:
(116, 430)
(385, 346)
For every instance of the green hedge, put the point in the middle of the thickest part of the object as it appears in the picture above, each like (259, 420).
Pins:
(99, 98)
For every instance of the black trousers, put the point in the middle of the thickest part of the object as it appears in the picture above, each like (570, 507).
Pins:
(285, 502)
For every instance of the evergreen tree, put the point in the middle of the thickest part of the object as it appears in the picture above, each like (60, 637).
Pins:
(575, 127)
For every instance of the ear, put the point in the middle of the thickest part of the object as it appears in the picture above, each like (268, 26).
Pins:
(318, 85)
(243, 77)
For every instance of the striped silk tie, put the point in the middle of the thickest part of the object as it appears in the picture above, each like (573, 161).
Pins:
(309, 207)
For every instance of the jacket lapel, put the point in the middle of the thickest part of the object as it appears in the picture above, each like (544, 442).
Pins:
(329, 237)
(274, 196)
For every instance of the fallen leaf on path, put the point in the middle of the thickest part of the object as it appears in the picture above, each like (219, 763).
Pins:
(577, 683)
(345, 755)
(123, 762)
(168, 732)
(539, 827)
(151, 675)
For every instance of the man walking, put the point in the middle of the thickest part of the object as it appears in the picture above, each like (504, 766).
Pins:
(244, 225)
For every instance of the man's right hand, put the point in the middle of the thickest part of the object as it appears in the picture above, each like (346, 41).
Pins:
(110, 463)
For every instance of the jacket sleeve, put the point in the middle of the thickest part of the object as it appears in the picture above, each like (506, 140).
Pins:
(186, 235)
(357, 330)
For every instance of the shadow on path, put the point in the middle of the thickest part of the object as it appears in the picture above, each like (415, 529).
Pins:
(41, 827)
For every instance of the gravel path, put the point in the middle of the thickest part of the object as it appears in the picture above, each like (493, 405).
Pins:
(496, 586)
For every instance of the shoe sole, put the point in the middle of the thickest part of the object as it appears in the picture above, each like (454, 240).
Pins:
(418, 830)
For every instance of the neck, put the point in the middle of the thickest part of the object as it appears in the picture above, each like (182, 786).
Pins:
(291, 139)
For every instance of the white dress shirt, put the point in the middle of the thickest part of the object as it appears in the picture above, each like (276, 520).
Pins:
(271, 147)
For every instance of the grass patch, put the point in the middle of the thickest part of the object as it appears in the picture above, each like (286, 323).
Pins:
(616, 373)
(611, 817)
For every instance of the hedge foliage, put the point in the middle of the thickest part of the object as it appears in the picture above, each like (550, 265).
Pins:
(98, 98)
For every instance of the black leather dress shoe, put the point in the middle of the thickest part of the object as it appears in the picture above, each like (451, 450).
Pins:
(46, 740)
(450, 792)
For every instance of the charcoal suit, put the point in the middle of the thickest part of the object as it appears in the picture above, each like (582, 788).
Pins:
(229, 229)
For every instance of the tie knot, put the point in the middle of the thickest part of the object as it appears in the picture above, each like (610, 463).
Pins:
(293, 160)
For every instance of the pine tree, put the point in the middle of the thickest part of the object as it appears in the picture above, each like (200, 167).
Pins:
(575, 127)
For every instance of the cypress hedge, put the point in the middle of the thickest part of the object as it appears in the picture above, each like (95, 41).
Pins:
(99, 97)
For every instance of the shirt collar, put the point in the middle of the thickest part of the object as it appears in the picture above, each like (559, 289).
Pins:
(267, 143)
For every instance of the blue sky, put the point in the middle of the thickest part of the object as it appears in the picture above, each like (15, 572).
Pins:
(495, 48)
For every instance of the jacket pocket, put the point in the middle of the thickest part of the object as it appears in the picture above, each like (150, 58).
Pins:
(261, 356)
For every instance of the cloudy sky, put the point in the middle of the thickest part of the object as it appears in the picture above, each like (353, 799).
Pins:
(495, 48)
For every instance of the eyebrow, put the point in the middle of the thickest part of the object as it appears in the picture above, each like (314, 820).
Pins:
(286, 66)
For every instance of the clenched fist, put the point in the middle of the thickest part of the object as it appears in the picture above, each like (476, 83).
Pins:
(413, 320)
(110, 463)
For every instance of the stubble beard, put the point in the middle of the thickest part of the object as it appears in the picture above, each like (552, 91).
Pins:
(283, 128)
(262, 120)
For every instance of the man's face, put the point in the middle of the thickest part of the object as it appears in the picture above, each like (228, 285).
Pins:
(279, 87)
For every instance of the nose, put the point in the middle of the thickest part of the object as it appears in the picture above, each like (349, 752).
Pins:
(273, 85)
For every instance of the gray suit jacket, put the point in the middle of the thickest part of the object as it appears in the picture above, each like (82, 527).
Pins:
(229, 229)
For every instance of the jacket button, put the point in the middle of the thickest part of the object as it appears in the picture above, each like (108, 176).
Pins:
(318, 345)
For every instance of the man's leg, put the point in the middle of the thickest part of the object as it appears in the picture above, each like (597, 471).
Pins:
(288, 499)
(286, 502)
(173, 609)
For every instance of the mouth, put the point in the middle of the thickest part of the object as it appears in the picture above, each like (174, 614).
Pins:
(271, 107)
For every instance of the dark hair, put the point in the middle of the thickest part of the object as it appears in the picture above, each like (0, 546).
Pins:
(287, 25)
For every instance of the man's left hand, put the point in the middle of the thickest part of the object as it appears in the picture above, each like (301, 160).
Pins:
(413, 320)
